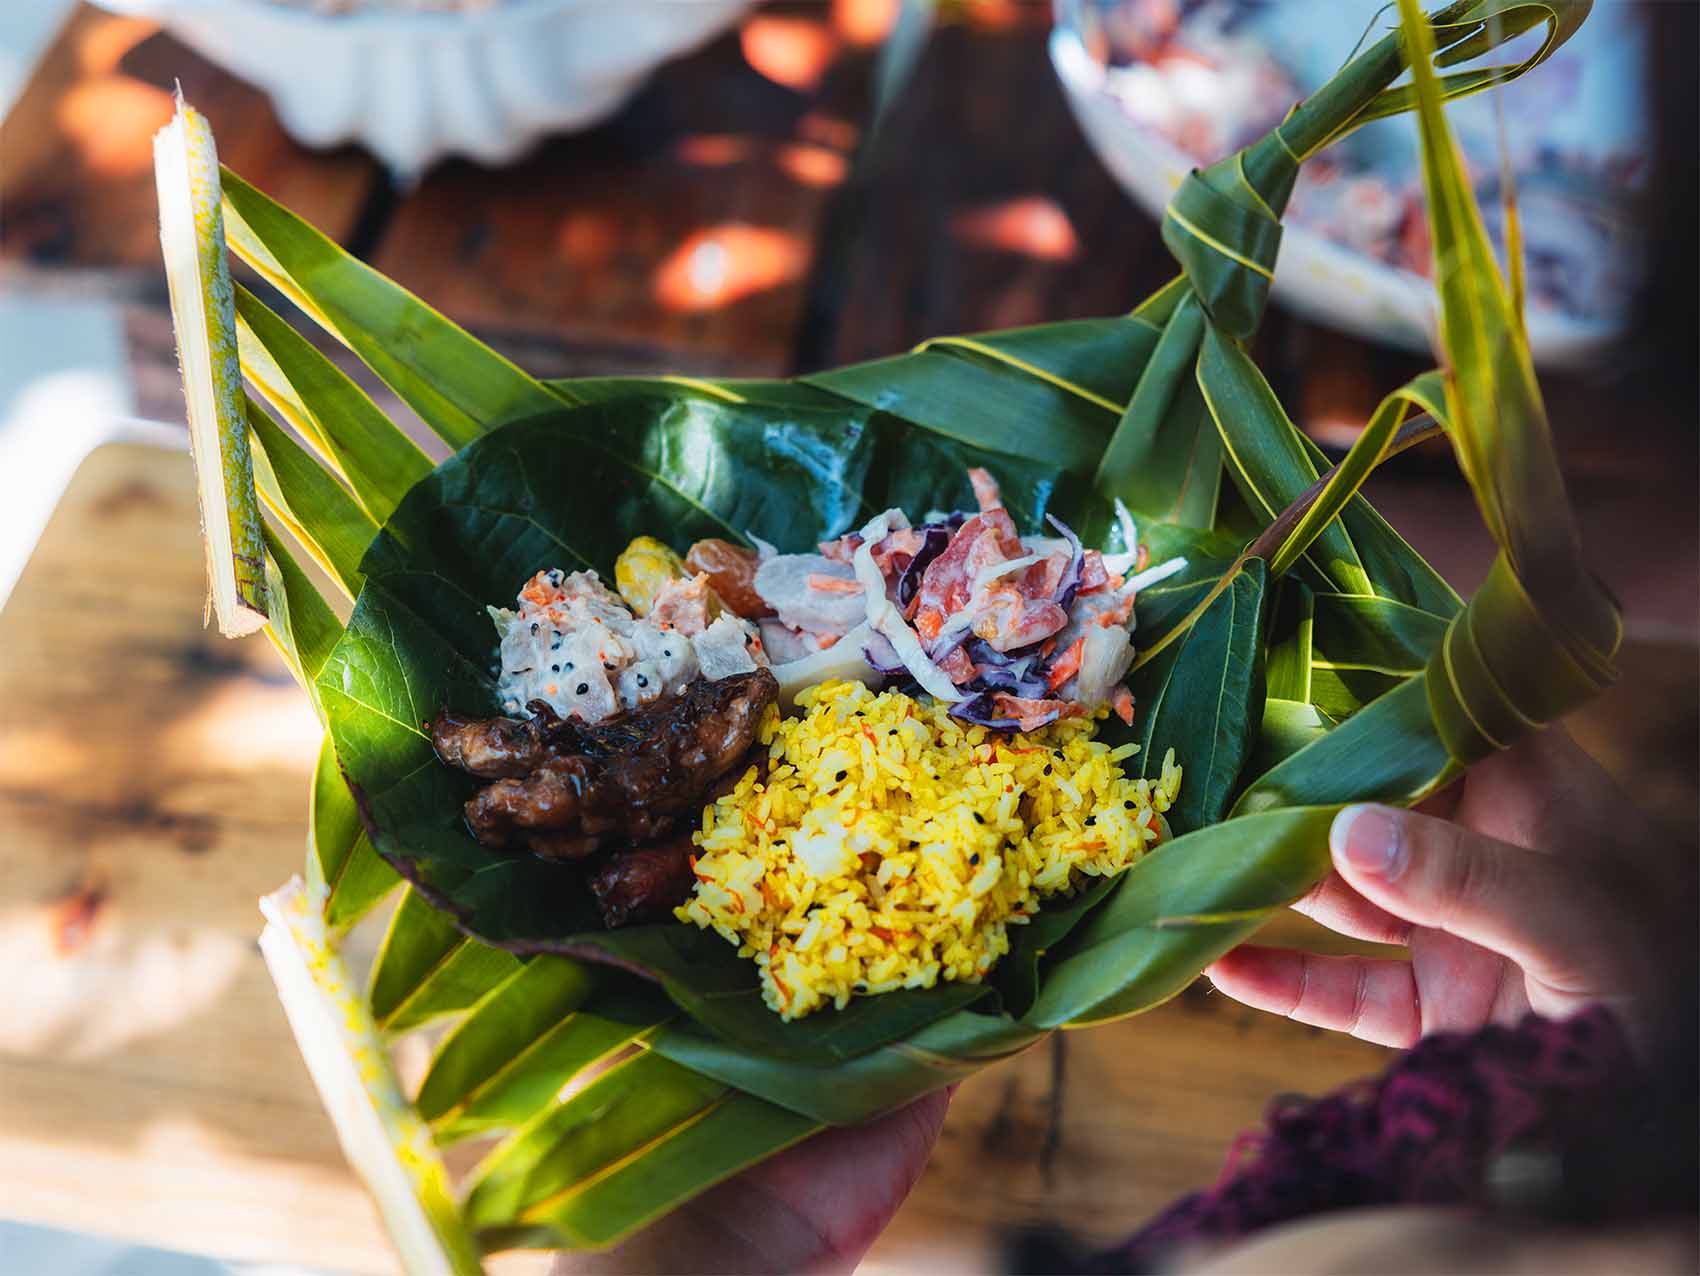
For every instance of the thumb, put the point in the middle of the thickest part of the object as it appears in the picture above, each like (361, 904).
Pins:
(1535, 909)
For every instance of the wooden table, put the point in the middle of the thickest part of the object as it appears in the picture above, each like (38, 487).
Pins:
(153, 777)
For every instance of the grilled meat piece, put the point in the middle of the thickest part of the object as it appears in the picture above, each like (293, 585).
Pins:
(643, 885)
(501, 748)
(627, 780)
(490, 748)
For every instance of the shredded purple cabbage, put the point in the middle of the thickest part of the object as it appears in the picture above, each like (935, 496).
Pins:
(1000, 671)
(1069, 585)
(982, 710)
(882, 656)
(935, 536)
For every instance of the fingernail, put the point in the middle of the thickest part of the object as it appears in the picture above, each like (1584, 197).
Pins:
(1368, 839)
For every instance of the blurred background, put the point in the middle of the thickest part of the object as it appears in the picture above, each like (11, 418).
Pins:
(728, 188)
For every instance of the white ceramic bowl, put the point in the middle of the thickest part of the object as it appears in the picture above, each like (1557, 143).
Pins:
(1315, 276)
(413, 87)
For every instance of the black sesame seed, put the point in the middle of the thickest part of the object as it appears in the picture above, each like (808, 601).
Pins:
(554, 668)
(642, 681)
(607, 666)
(1047, 768)
(1091, 820)
(568, 666)
(534, 630)
(839, 778)
(974, 858)
(665, 652)
(978, 818)
(1128, 804)
(1058, 754)
(891, 731)
(582, 688)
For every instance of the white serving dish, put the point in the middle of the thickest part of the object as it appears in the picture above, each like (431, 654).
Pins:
(416, 86)
(1314, 276)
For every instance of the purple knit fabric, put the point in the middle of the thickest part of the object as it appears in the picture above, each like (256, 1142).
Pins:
(1428, 1131)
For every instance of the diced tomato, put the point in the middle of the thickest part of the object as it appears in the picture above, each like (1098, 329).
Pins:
(1029, 715)
(985, 489)
(1066, 665)
(983, 541)
(958, 667)
(1041, 579)
(1007, 620)
(1093, 574)
(1121, 700)
(893, 552)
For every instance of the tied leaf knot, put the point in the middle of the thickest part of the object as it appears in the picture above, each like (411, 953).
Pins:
(1503, 669)
(1223, 226)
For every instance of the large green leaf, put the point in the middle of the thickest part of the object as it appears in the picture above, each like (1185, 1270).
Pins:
(317, 510)
(685, 466)
(1203, 695)
(457, 385)
(368, 450)
(640, 1140)
(1179, 908)
(1380, 686)
(427, 968)
(341, 861)
(509, 1058)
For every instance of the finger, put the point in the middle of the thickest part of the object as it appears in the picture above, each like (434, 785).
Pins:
(1337, 906)
(1530, 907)
(1374, 999)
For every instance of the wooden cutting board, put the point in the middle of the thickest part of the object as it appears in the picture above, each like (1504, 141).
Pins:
(153, 784)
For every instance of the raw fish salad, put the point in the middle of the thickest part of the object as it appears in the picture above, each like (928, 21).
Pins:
(1005, 631)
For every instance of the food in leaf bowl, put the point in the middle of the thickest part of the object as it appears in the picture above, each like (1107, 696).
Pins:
(871, 842)
(1000, 706)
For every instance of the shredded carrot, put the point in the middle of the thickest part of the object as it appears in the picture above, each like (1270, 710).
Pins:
(737, 902)
(834, 584)
(882, 933)
(1048, 648)
(1122, 703)
(826, 640)
(1067, 665)
(928, 622)
(784, 992)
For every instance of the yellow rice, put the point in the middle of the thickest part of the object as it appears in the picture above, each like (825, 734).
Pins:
(891, 845)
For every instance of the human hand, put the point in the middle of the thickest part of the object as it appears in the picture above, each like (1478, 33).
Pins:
(1532, 884)
(816, 1207)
